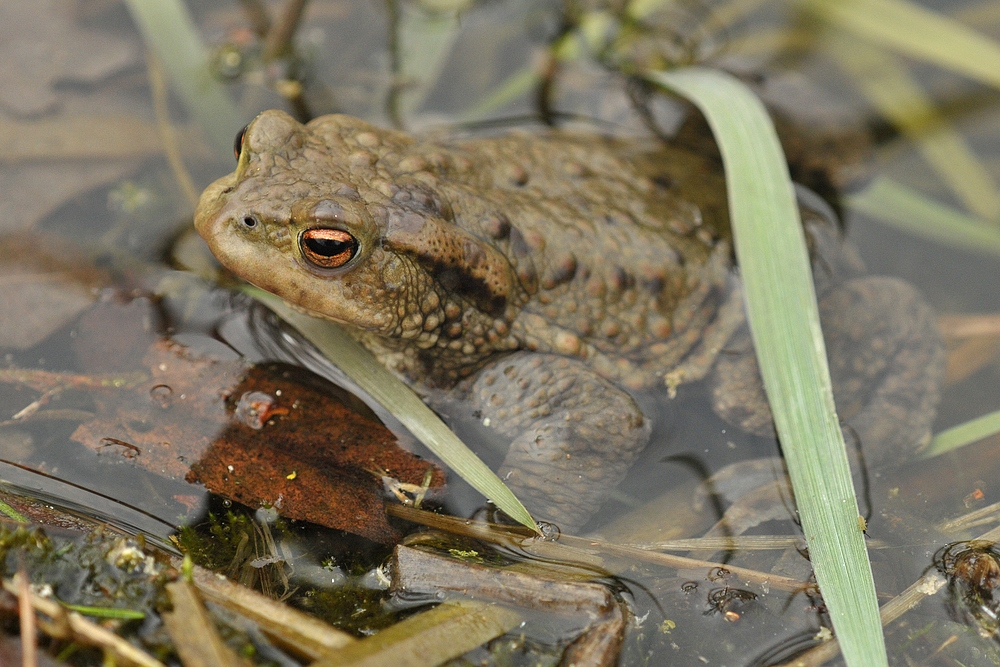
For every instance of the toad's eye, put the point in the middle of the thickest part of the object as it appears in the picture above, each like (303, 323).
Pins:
(238, 144)
(328, 248)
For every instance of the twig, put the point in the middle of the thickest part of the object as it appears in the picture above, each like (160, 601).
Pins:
(33, 407)
(48, 380)
(71, 625)
(158, 85)
(29, 640)
(257, 15)
(304, 635)
(392, 101)
(969, 326)
(582, 550)
(279, 38)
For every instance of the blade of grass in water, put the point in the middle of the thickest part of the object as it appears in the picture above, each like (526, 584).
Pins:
(168, 30)
(890, 87)
(917, 32)
(964, 434)
(904, 208)
(784, 323)
(406, 406)
(424, 38)
(12, 513)
(106, 612)
(428, 638)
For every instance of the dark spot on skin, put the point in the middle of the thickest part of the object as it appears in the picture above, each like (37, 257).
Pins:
(621, 279)
(444, 210)
(517, 175)
(663, 181)
(449, 278)
(617, 218)
(458, 275)
(520, 257)
(653, 284)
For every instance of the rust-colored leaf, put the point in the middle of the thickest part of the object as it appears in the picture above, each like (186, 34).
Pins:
(291, 443)
(314, 458)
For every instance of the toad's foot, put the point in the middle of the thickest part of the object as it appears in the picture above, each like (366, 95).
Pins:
(574, 434)
(887, 363)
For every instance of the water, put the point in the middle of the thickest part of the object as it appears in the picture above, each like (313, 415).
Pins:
(100, 258)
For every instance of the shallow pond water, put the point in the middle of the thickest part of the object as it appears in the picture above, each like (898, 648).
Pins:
(102, 265)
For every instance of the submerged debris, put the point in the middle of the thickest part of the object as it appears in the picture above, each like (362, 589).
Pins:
(599, 628)
(972, 569)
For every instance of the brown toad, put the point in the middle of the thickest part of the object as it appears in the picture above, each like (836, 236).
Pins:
(546, 279)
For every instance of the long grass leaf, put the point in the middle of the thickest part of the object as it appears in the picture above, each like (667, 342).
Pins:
(12, 513)
(784, 323)
(890, 87)
(964, 434)
(914, 31)
(168, 30)
(424, 40)
(359, 364)
(106, 612)
(906, 209)
(429, 638)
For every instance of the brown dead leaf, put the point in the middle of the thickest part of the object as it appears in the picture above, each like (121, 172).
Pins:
(312, 457)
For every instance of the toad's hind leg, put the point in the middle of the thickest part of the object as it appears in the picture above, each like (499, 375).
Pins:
(573, 434)
(886, 364)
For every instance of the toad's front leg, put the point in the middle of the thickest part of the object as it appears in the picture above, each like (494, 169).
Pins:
(573, 434)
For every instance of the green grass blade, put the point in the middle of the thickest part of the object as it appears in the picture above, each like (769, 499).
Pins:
(425, 38)
(359, 364)
(917, 32)
(784, 323)
(106, 612)
(964, 434)
(12, 513)
(429, 638)
(169, 31)
(513, 87)
(892, 89)
(906, 209)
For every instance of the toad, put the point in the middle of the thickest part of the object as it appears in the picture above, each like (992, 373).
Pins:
(548, 280)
